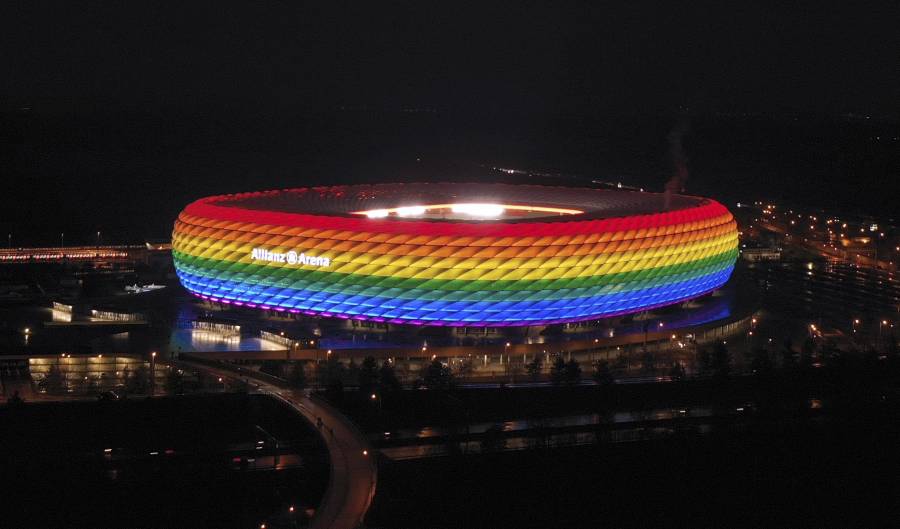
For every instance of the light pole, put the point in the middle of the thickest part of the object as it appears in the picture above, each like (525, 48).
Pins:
(62, 240)
(153, 373)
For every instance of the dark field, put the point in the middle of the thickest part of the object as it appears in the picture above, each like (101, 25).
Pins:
(779, 475)
(58, 474)
(800, 448)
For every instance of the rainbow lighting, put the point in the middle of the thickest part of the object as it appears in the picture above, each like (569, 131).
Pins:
(454, 254)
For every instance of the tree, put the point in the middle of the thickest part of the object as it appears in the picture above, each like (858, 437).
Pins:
(677, 371)
(367, 377)
(787, 355)
(272, 367)
(200, 380)
(334, 390)
(139, 381)
(438, 376)
(807, 353)
(351, 373)
(492, 440)
(174, 382)
(648, 362)
(705, 361)
(297, 375)
(893, 349)
(721, 361)
(558, 371)
(465, 368)
(387, 377)
(334, 370)
(15, 400)
(54, 381)
(572, 372)
(534, 368)
(761, 363)
(603, 374)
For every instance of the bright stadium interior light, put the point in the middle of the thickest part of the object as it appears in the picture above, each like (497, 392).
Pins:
(411, 211)
(479, 210)
(476, 209)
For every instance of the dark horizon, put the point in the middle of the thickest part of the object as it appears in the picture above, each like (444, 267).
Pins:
(112, 118)
(138, 170)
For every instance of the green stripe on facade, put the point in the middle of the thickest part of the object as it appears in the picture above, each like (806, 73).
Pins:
(476, 290)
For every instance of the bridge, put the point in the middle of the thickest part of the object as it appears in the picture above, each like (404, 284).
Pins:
(354, 472)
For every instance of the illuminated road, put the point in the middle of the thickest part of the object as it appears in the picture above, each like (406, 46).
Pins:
(354, 474)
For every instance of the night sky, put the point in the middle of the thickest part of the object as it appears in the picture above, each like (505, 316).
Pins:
(151, 105)
(578, 57)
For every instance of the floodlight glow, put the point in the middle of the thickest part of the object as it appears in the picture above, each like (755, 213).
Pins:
(479, 210)
(438, 208)
(411, 211)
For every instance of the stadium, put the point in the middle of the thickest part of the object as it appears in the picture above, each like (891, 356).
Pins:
(481, 255)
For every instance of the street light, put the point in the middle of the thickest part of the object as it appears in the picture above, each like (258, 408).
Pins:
(153, 373)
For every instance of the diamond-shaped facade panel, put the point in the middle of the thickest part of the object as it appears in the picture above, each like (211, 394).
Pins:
(454, 254)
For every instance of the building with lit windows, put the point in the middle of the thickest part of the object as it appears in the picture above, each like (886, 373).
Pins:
(454, 254)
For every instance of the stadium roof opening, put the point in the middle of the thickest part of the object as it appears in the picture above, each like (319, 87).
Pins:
(468, 211)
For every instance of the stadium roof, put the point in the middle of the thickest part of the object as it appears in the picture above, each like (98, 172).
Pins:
(352, 200)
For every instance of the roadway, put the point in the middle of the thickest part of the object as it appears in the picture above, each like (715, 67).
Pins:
(354, 472)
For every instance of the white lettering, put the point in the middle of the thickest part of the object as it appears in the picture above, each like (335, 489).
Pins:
(291, 258)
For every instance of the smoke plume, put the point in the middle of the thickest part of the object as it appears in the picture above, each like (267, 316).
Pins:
(675, 185)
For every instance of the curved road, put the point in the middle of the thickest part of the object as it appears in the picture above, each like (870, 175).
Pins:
(354, 474)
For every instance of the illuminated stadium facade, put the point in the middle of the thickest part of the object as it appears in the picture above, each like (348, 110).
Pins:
(454, 254)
